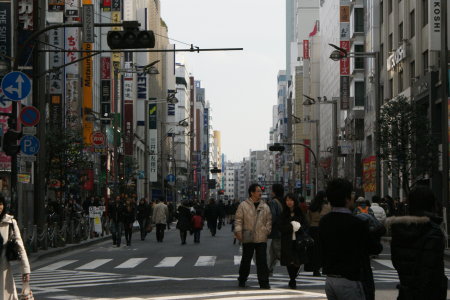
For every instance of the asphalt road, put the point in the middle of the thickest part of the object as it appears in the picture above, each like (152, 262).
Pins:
(169, 270)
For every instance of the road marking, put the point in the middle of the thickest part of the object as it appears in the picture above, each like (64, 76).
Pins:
(58, 265)
(94, 264)
(131, 263)
(237, 260)
(385, 262)
(205, 261)
(169, 262)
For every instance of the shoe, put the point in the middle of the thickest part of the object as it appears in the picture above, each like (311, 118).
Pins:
(242, 284)
(292, 284)
(317, 274)
(264, 286)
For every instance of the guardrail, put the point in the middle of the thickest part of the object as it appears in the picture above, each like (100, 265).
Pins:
(56, 235)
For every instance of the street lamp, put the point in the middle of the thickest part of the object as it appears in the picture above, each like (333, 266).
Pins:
(340, 53)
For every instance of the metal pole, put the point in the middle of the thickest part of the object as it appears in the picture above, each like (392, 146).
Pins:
(335, 139)
(115, 125)
(146, 152)
(316, 186)
(377, 129)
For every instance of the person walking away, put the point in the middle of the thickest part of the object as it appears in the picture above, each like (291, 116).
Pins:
(128, 219)
(159, 218)
(345, 244)
(197, 226)
(8, 225)
(292, 223)
(378, 211)
(362, 207)
(221, 221)
(170, 217)
(319, 207)
(276, 208)
(184, 220)
(417, 248)
(143, 217)
(253, 222)
(211, 216)
(115, 212)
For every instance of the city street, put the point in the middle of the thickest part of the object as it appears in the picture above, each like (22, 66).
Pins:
(169, 270)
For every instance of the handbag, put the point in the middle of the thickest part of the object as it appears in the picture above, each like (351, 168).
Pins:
(303, 244)
(26, 294)
(12, 247)
(149, 227)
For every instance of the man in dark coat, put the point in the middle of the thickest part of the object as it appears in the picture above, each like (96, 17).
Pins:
(211, 215)
(276, 208)
(417, 249)
(116, 217)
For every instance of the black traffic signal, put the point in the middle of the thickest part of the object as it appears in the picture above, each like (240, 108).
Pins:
(10, 146)
(276, 147)
(131, 37)
(215, 170)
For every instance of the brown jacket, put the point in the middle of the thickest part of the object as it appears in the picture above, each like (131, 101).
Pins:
(255, 224)
(314, 217)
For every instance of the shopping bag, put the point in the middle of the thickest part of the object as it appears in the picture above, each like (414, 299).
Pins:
(149, 227)
(26, 294)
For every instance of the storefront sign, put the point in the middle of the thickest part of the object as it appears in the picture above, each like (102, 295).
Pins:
(395, 58)
(435, 24)
(306, 49)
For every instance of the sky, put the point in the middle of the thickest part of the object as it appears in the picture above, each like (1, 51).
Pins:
(241, 86)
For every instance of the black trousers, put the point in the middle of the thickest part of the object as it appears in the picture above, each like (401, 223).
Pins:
(183, 235)
(160, 232)
(292, 271)
(262, 270)
(128, 228)
(143, 227)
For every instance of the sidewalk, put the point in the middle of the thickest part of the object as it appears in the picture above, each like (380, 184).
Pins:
(387, 240)
(41, 254)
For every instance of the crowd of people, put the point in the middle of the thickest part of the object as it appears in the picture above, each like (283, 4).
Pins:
(337, 234)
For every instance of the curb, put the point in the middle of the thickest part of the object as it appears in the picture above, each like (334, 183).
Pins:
(41, 254)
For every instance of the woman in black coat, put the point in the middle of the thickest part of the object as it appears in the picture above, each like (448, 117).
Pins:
(184, 221)
(292, 218)
(417, 249)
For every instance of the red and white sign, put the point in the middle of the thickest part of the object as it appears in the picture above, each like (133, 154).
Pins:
(98, 138)
(305, 49)
(345, 62)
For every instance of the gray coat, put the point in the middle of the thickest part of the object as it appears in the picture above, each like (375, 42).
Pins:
(160, 213)
(256, 222)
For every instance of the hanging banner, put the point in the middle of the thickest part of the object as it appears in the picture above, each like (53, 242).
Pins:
(369, 171)
(128, 135)
(56, 59)
(88, 126)
(153, 142)
(5, 31)
(105, 63)
(306, 49)
(435, 24)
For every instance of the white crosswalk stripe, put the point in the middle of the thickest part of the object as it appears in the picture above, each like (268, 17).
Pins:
(131, 263)
(205, 261)
(59, 264)
(94, 264)
(237, 260)
(169, 262)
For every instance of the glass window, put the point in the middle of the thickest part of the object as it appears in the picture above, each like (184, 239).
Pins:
(424, 12)
(425, 61)
(389, 6)
(412, 70)
(391, 88)
(412, 23)
(400, 32)
(391, 43)
(382, 54)
(359, 61)
(360, 91)
(359, 19)
(381, 12)
(400, 81)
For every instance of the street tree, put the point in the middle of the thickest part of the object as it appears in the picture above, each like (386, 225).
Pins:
(408, 147)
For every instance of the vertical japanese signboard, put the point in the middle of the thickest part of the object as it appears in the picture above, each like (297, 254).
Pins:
(71, 104)
(435, 19)
(88, 126)
(5, 49)
(153, 142)
(344, 29)
(305, 49)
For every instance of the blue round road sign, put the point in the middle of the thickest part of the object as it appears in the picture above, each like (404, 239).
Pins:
(16, 86)
(30, 116)
(170, 178)
(29, 145)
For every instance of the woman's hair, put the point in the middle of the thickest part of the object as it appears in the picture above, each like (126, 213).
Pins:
(421, 199)
(2, 200)
(318, 201)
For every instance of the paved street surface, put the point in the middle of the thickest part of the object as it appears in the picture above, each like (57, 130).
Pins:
(168, 270)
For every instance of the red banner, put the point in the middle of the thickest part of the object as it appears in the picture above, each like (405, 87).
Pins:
(106, 67)
(345, 62)
(306, 49)
(369, 171)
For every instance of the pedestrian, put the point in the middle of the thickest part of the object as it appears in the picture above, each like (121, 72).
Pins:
(8, 225)
(116, 215)
(197, 226)
(184, 217)
(346, 244)
(362, 207)
(104, 218)
(319, 207)
(211, 216)
(292, 224)
(170, 217)
(221, 221)
(378, 211)
(390, 211)
(129, 217)
(253, 222)
(143, 217)
(276, 208)
(159, 218)
(417, 248)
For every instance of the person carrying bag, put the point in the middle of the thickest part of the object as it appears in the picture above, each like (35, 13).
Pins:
(11, 248)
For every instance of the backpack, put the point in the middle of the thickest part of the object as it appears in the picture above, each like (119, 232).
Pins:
(197, 222)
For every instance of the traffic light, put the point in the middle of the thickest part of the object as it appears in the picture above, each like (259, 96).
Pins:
(276, 147)
(10, 146)
(131, 37)
(221, 192)
(215, 170)
(212, 184)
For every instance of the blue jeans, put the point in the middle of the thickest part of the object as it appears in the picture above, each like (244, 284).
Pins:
(262, 270)
(197, 235)
(116, 231)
